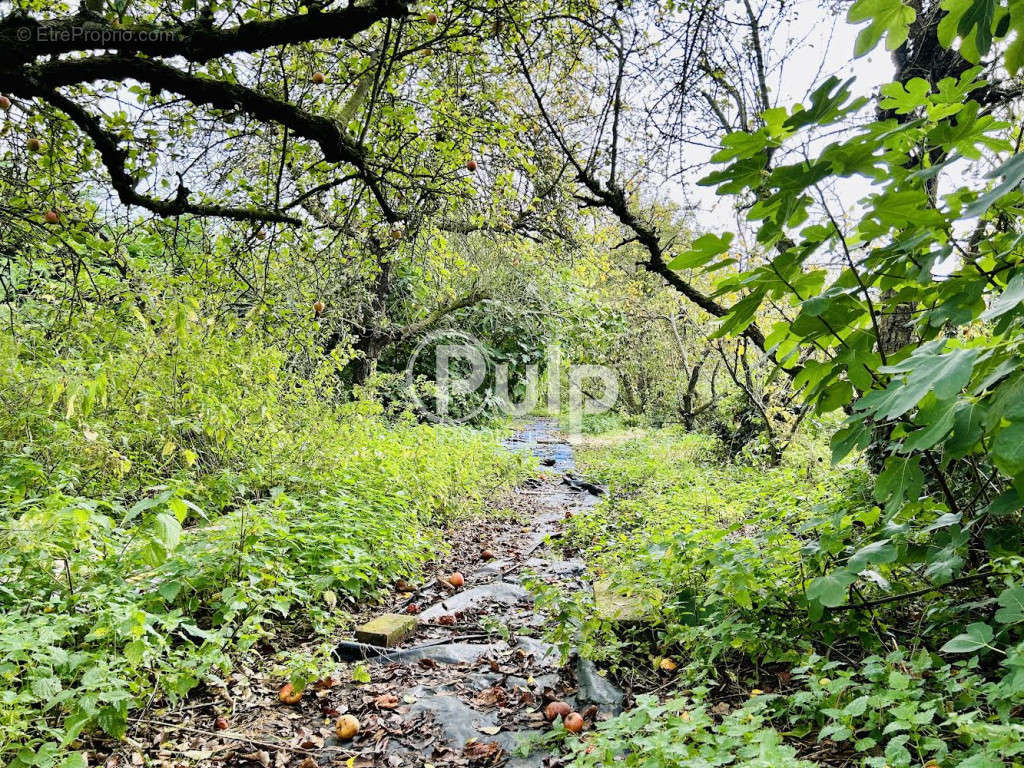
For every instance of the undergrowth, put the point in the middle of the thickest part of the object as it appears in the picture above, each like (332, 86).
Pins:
(173, 496)
(745, 668)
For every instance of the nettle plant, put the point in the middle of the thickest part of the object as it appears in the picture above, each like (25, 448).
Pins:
(906, 314)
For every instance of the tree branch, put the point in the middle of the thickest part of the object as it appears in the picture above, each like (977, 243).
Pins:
(407, 331)
(24, 39)
(42, 80)
(114, 159)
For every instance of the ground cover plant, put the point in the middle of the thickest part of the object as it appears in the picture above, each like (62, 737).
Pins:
(173, 497)
(233, 236)
(722, 557)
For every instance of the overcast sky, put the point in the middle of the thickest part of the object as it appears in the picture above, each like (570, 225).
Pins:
(827, 51)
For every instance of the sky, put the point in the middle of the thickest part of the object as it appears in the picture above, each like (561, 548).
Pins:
(826, 51)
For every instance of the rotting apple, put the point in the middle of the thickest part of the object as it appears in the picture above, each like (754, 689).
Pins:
(556, 709)
(288, 694)
(573, 722)
(346, 727)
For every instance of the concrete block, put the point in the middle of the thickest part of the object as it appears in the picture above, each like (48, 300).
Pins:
(386, 630)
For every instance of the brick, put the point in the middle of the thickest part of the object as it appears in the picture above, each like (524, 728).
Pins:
(386, 630)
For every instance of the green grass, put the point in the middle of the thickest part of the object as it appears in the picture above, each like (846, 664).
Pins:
(172, 497)
(721, 553)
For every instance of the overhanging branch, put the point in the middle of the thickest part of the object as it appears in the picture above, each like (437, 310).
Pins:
(42, 80)
(24, 39)
(114, 159)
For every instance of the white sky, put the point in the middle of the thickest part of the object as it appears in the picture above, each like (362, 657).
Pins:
(827, 50)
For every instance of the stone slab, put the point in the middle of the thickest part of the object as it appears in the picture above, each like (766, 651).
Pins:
(387, 630)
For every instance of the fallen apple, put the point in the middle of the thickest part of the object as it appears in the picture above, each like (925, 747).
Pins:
(457, 580)
(346, 727)
(221, 723)
(289, 695)
(557, 709)
(486, 555)
(573, 723)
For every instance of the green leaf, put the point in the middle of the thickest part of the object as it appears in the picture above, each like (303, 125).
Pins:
(1012, 606)
(971, 21)
(169, 590)
(876, 552)
(704, 249)
(930, 371)
(46, 688)
(831, 589)
(75, 724)
(741, 314)
(168, 531)
(360, 674)
(1008, 300)
(977, 636)
(857, 435)
(902, 479)
(888, 17)
(1008, 449)
(75, 760)
(114, 720)
(1011, 172)
(904, 98)
(857, 707)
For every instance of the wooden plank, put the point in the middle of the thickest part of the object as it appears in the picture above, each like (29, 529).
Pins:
(386, 630)
(613, 606)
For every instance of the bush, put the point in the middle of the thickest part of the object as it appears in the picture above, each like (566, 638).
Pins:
(172, 496)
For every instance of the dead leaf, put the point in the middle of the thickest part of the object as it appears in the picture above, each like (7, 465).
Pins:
(482, 752)
(262, 757)
(386, 701)
(495, 696)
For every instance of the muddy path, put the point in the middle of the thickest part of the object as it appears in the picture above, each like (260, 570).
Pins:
(467, 687)
(471, 684)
